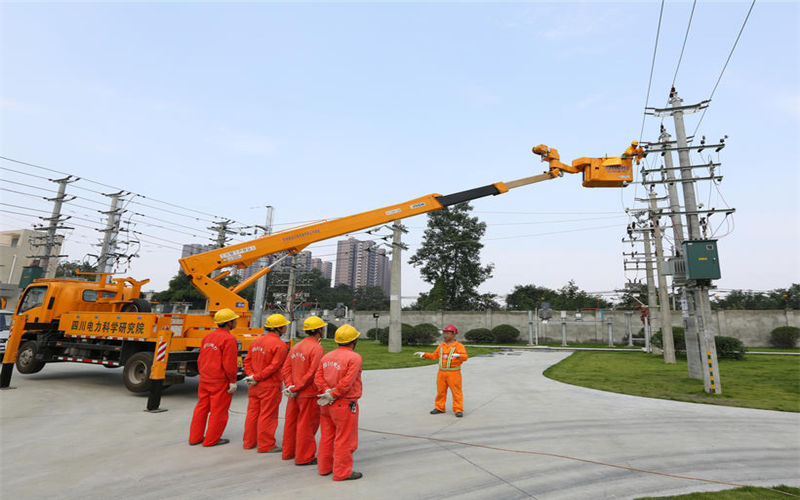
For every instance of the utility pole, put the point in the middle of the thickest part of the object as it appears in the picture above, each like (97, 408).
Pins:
(701, 350)
(54, 220)
(221, 228)
(257, 319)
(665, 314)
(108, 256)
(290, 298)
(395, 305)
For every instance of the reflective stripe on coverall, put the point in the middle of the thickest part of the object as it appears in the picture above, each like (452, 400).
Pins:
(217, 367)
(449, 375)
(339, 370)
(263, 361)
(302, 411)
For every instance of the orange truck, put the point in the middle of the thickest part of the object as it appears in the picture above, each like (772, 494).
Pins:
(106, 322)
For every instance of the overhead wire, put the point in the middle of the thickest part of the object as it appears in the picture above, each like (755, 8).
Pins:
(730, 55)
(652, 67)
(683, 47)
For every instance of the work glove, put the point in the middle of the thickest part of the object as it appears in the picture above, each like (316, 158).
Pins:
(456, 355)
(250, 380)
(420, 354)
(288, 392)
(325, 398)
(232, 388)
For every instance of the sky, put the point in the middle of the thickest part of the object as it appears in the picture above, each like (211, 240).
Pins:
(326, 109)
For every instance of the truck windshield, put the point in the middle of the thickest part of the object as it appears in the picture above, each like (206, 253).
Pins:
(5, 321)
(34, 297)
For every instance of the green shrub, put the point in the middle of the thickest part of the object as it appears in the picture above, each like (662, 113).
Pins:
(373, 333)
(785, 337)
(729, 347)
(423, 334)
(505, 334)
(678, 337)
(480, 336)
(407, 332)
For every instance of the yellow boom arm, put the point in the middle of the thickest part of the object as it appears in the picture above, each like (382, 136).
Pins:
(199, 267)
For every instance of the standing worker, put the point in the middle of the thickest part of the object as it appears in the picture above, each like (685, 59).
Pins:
(339, 377)
(263, 367)
(451, 354)
(217, 365)
(302, 413)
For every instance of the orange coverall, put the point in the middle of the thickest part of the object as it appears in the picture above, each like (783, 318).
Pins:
(302, 411)
(217, 366)
(449, 375)
(263, 361)
(339, 370)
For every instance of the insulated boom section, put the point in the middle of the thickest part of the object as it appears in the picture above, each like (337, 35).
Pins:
(469, 194)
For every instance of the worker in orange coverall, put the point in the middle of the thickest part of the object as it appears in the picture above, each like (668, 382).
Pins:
(451, 354)
(263, 368)
(339, 377)
(302, 411)
(217, 365)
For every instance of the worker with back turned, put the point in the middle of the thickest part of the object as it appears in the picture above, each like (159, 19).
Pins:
(263, 368)
(217, 366)
(302, 411)
(339, 380)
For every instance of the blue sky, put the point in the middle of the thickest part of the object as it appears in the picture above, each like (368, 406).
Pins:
(324, 109)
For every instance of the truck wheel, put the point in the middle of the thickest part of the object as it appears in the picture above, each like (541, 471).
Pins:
(136, 305)
(26, 358)
(136, 373)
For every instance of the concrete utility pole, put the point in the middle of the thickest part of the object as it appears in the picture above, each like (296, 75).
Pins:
(290, 297)
(701, 350)
(54, 224)
(665, 315)
(697, 296)
(395, 305)
(257, 319)
(108, 255)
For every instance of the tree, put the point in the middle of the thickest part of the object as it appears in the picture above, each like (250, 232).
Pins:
(180, 289)
(449, 259)
(371, 298)
(781, 298)
(568, 297)
(67, 269)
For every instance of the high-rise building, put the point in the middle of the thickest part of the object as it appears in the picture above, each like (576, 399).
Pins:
(361, 264)
(194, 249)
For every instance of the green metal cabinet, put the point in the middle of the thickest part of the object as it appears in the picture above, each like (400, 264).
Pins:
(702, 260)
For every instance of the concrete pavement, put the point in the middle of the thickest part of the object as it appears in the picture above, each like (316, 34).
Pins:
(73, 431)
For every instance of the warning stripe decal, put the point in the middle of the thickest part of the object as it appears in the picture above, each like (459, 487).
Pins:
(162, 351)
(91, 361)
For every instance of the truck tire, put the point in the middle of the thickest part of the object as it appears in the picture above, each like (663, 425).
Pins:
(136, 373)
(26, 358)
(136, 305)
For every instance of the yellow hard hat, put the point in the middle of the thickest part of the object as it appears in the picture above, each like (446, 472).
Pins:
(224, 315)
(276, 321)
(634, 143)
(313, 322)
(346, 334)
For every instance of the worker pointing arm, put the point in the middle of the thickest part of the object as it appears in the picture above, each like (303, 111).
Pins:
(451, 355)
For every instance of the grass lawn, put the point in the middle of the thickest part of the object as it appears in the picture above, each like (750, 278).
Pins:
(771, 349)
(558, 344)
(748, 492)
(770, 382)
(377, 356)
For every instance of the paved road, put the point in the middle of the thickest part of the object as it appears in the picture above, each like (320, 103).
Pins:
(73, 431)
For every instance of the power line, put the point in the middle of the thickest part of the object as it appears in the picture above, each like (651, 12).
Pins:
(725, 65)
(652, 66)
(686, 37)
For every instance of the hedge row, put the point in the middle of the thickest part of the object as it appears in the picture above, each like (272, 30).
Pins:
(501, 334)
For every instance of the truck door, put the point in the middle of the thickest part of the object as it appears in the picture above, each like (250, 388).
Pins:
(32, 307)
